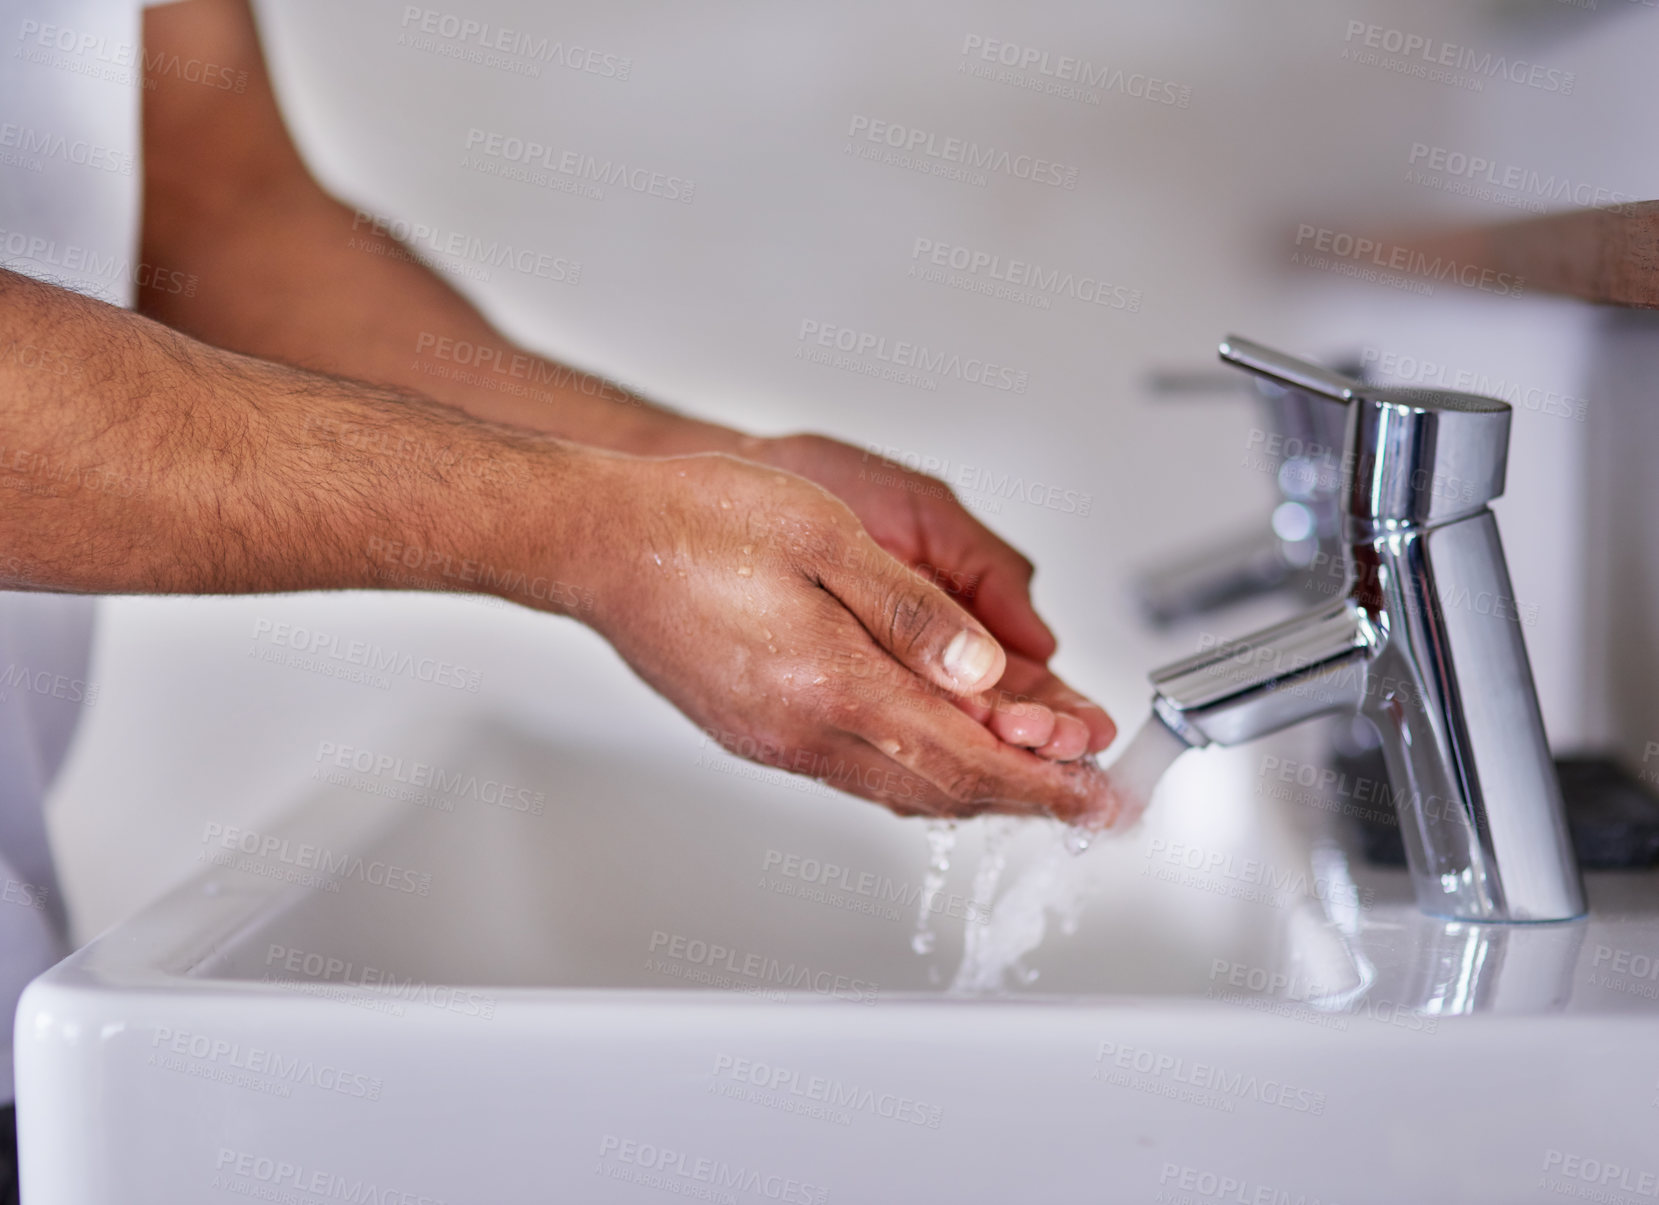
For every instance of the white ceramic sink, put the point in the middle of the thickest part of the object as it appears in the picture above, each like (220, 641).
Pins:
(656, 988)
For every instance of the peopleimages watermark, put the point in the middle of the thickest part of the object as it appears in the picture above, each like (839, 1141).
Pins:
(48, 684)
(1565, 1174)
(1356, 676)
(517, 373)
(978, 487)
(1373, 260)
(97, 56)
(48, 475)
(1628, 972)
(380, 440)
(1288, 994)
(1177, 1077)
(1649, 772)
(531, 161)
(901, 361)
(257, 1068)
(948, 156)
(1442, 62)
(85, 266)
(823, 1097)
(304, 862)
(56, 361)
(698, 1177)
(1414, 370)
(24, 894)
(804, 769)
(469, 40)
(694, 954)
(395, 771)
(1364, 798)
(430, 563)
(1222, 872)
(246, 1174)
(1184, 1184)
(332, 977)
(29, 148)
(1062, 75)
(821, 881)
(1331, 572)
(1509, 184)
(1021, 281)
(320, 651)
(465, 248)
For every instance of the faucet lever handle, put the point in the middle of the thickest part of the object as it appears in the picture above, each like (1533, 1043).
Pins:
(1288, 370)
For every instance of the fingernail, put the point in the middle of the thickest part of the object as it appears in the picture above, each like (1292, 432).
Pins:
(969, 657)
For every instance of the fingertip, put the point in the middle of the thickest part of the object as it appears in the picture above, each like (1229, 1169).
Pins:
(1069, 741)
(1030, 725)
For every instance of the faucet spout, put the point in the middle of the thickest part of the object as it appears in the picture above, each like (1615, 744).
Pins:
(1239, 690)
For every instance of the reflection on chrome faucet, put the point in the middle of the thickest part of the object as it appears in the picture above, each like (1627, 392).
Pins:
(1299, 444)
(1446, 684)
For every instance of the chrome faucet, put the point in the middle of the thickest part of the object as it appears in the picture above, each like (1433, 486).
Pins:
(1426, 644)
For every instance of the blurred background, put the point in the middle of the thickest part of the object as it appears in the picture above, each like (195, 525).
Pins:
(1204, 162)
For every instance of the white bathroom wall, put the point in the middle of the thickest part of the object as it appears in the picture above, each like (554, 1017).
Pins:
(1186, 203)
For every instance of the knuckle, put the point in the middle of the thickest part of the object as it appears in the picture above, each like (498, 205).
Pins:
(818, 536)
(968, 786)
(909, 614)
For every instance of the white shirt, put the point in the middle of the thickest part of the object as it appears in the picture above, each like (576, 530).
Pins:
(71, 75)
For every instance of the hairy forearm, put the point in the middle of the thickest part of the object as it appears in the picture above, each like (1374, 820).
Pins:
(286, 272)
(137, 460)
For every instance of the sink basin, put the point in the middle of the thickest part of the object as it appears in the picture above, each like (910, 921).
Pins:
(681, 975)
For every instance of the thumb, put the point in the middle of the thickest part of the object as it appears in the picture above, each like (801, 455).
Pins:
(924, 629)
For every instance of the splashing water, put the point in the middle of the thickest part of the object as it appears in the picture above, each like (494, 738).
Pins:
(941, 840)
(1057, 882)
(993, 859)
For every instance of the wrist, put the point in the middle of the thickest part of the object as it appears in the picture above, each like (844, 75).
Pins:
(555, 543)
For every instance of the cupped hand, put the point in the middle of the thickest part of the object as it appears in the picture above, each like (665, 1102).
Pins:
(919, 520)
(759, 605)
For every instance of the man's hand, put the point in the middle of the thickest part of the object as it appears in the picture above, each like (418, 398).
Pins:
(920, 521)
(758, 604)
(228, 199)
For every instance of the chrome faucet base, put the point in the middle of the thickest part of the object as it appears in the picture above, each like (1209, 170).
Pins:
(1426, 644)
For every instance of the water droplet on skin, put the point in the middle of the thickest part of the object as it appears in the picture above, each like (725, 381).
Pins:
(1078, 839)
(820, 680)
(748, 549)
(725, 504)
(891, 748)
(745, 571)
(657, 557)
(766, 633)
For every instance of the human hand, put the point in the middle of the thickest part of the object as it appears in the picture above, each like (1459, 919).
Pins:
(919, 520)
(758, 604)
